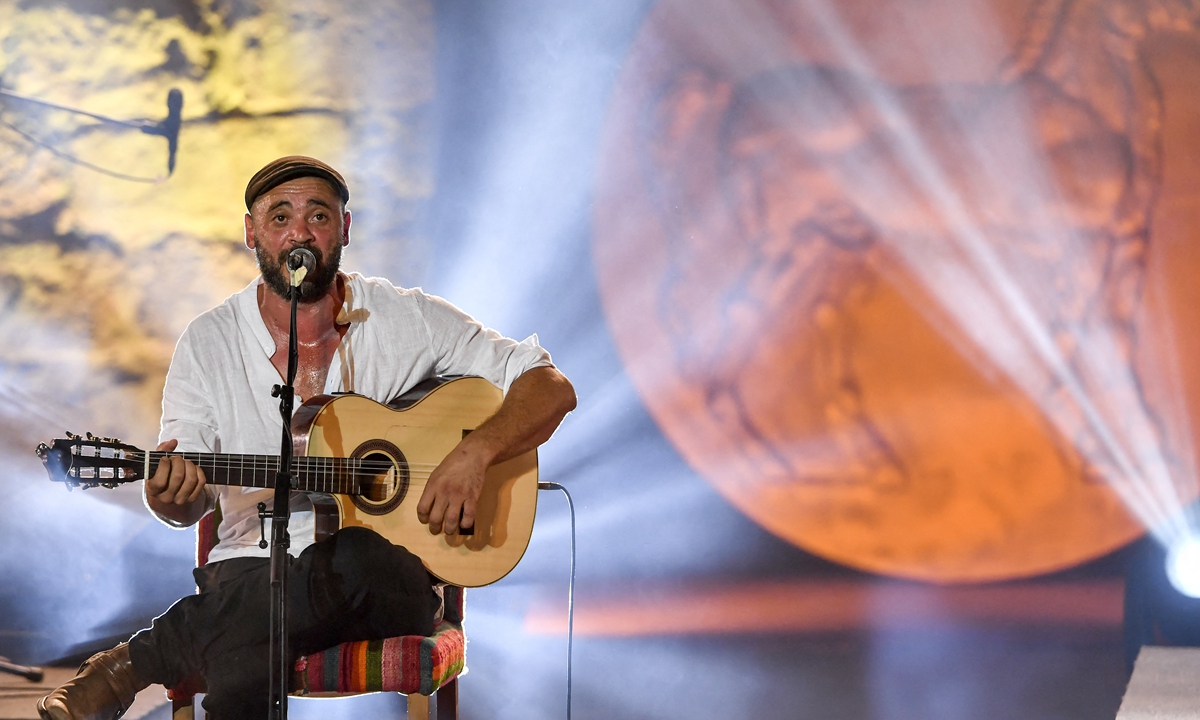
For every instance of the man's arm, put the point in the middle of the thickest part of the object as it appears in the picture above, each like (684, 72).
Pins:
(536, 403)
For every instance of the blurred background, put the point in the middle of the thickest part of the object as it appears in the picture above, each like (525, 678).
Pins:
(881, 316)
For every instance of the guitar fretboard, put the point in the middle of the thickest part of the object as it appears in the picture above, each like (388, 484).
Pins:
(348, 476)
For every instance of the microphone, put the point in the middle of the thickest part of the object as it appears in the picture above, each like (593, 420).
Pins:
(169, 128)
(301, 262)
(32, 674)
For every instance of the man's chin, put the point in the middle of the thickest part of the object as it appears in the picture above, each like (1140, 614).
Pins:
(310, 292)
(312, 289)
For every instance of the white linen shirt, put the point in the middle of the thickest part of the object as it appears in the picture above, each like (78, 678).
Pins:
(217, 396)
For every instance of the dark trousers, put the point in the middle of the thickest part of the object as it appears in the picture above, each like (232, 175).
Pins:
(354, 585)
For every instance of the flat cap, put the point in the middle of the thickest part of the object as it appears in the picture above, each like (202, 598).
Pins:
(291, 167)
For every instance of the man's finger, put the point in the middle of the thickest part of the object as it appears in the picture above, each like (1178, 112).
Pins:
(425, 505)
(450, 521)
(166, 483)
(188, 485)
(178, 473)
(468, 514)
(157, 482)
(200, 482)
(172, 479)
(436, 515)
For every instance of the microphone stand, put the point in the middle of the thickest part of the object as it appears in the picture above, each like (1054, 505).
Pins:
(32, 674)
(280, 515)
(168, 128)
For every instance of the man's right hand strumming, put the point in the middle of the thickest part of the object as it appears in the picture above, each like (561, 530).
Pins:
(176, 490)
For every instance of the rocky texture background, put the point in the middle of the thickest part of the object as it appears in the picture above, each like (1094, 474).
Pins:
(99, 274)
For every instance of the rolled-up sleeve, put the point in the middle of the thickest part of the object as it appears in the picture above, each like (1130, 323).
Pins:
(464, 346)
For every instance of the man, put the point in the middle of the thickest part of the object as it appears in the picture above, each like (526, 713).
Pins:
(355, 334)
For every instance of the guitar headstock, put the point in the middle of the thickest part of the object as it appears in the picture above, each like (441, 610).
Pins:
(91, 461)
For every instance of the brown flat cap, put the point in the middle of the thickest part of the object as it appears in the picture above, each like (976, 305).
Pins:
(291, 167)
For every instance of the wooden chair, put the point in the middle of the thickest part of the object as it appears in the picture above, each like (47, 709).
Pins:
(413, 665)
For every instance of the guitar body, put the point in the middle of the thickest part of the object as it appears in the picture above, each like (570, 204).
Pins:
(416, 433)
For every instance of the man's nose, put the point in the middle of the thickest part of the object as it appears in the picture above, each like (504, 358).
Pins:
(300, 233)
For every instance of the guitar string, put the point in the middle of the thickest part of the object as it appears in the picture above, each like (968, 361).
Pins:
(267, 463)
(311, 466)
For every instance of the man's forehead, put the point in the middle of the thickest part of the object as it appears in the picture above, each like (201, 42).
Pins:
(300, 191)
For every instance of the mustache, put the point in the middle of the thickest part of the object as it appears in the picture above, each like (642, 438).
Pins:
(275, 273)
(283, 255)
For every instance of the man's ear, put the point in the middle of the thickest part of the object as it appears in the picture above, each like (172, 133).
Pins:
(250, 240)
(346, 228)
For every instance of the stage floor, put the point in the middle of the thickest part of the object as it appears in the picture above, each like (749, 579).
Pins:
(18, 697)
(1165, 685)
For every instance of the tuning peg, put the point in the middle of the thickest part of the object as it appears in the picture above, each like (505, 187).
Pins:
(73, 436)
(42, 449)
(112, 440)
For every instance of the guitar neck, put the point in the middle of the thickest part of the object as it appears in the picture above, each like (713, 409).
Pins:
(313, 474)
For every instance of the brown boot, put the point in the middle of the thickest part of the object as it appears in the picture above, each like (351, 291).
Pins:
(103, 690)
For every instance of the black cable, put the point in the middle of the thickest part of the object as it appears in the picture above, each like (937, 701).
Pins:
(78, 161)
(138, 124)
(570, 586)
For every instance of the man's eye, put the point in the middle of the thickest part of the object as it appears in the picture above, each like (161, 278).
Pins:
(280, 218)
(319, 216)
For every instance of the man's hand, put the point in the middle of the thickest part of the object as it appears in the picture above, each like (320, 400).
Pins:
(448, 502)
(535, 404)
(176, 489)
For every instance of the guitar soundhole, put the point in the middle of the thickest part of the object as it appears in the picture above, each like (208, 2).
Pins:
(382, 475)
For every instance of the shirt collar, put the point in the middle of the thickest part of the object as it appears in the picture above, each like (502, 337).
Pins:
(247, 305)
(352, 310)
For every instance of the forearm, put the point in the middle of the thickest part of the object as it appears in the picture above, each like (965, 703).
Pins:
(535, 404)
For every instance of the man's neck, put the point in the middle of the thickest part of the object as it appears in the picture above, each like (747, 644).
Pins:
(315, 321)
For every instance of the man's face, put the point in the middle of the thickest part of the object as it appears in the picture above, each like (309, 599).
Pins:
(305, 212)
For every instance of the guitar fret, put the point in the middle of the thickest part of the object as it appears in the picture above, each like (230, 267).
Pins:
(336, 475)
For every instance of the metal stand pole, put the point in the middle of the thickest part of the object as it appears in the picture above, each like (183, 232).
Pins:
(32, 674)
(280, 541)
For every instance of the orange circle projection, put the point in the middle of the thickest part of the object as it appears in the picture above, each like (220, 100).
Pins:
(773, 177)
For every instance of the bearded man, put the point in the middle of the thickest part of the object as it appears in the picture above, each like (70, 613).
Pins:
(355, 334)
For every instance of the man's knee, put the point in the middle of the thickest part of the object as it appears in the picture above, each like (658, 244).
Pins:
(359, 542)
(359, 557)
(382, 588)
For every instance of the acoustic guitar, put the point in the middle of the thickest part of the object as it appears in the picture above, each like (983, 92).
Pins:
(365, 464)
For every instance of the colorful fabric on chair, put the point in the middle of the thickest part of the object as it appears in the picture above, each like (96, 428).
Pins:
(410, 664)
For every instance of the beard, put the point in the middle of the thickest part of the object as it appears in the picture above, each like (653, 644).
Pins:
(277, 277)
